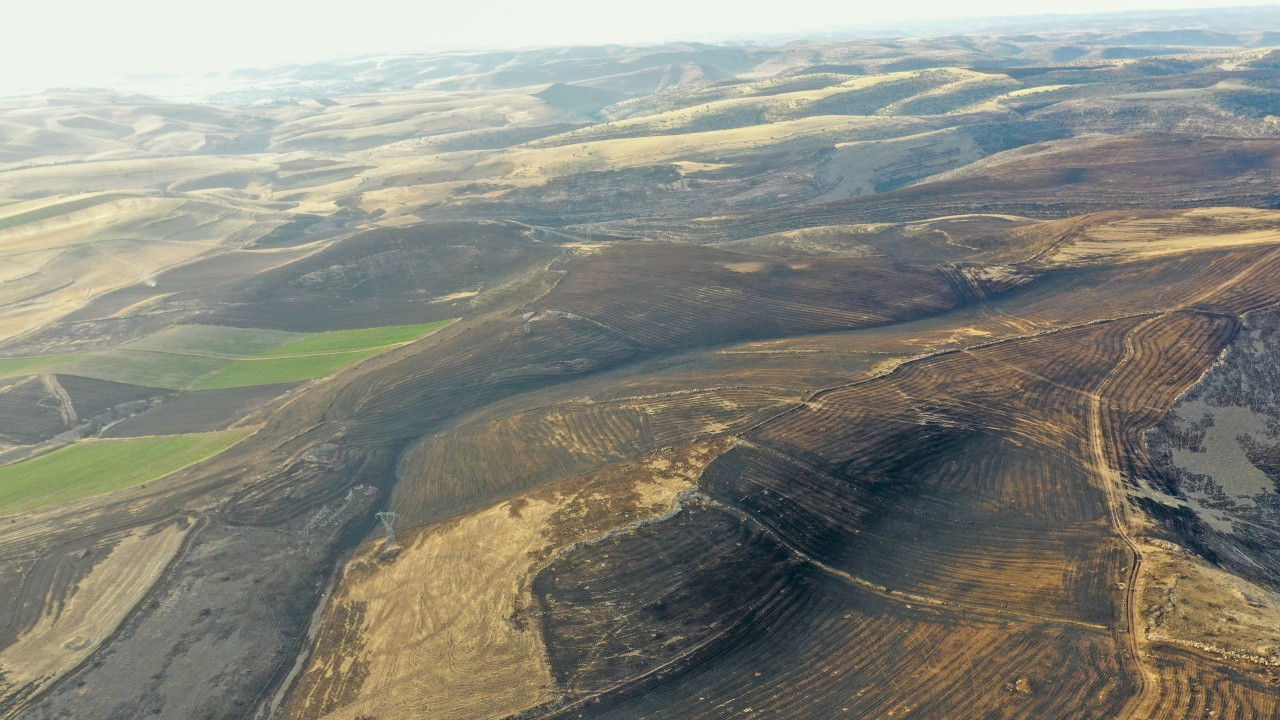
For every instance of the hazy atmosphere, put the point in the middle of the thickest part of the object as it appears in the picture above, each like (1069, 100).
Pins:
(85, 42)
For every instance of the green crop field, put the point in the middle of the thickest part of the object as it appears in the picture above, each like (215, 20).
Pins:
(208, 357)
(289, 368)
(14, 367)
(215, 340)
(93, 467)
(343, 340)
(312, 356)
(177, 371)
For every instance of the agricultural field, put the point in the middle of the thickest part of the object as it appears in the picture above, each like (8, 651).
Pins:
(18, 217)
(206, 357)
(93, 467)
(914, 377)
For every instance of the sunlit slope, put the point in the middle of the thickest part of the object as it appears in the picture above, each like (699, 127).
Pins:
(59, 255)
(96, 467)
(1016, 438)
(968, 481)
(824, 379)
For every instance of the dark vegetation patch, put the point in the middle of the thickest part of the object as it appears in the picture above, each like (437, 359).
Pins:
(1247, 380)
(764, 625)
(198, 284)
(1255, 104)
(579, 98)
(304, 228)
(1197, 38)
(1130, 53)
(705, 296)
(1067, 53)
(192, 634)
(198, 411)
(1136, 172)
(29, 413)
(625, 605)
(92, 397)
(383, 277)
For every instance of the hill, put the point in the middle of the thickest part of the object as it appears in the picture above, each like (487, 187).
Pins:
(927, 376)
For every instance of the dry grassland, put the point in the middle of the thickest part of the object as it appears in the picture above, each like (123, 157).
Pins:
(1189, 602)
(778, 104)
(1143, 237)
(442, 628)
(56, 265)
(76, 624)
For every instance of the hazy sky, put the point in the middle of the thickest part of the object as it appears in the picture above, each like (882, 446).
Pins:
(81, 42)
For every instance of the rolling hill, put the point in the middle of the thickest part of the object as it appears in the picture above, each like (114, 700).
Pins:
(887, 377)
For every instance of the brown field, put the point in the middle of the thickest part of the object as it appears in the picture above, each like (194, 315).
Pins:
(1193, 683)
(488, 457)
(1139, 238)
(390, 644)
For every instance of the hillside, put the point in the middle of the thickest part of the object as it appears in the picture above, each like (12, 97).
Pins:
(889, 377)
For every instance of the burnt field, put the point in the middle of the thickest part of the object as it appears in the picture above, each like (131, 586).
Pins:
(904, 378)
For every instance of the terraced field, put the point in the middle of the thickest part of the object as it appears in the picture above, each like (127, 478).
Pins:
(924, 377)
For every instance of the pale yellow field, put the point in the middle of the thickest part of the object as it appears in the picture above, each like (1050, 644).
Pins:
(445, 628)
(749, 266)
(414, 113)
(1145, 237)
(80, 126)
(72, 629)
(997, 103)
(682, 117)
(967, 78)
(157, 173)
(629, 152)
(430, 179)
(856, 166)
(55, 266)
(461, 295)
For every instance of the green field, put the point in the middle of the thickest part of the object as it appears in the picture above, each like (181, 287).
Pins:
(52, 211)
(312, 356)
(93, 467)
(142, 367)
(344, 340)
(14, 367)
(215, 340)
(209, 357)
(295, 368)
